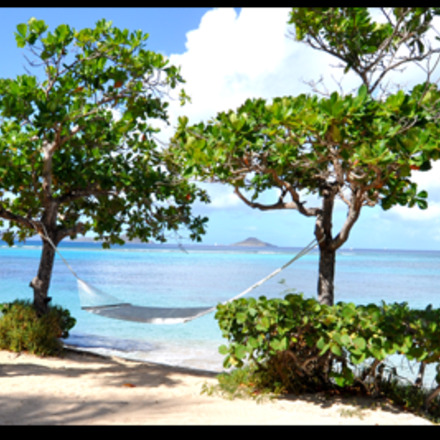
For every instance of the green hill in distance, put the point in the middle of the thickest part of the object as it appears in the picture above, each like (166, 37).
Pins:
(253, 242)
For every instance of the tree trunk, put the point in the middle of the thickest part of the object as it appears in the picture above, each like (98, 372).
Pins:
(327, 251)
(327, 259)
(41, 282)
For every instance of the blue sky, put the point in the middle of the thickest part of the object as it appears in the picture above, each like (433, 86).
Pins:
(228, 55)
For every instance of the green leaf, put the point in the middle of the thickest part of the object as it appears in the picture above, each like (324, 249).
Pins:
(22, 29)
(20, 35)
(359, 343)
(253, 342)
(241, 317)
(321, 343)
(422, 204)
(279, 344)
(336, 349)
(223, 349)
(240, 351)
(345, 339)
(62, 31)
(263, 324)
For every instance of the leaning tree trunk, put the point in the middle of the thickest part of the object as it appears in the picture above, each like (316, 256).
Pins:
(41, 282)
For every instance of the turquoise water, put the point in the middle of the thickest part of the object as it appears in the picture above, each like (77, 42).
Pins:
(205, 276)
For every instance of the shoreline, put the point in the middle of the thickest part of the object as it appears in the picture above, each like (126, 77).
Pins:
(82, 388)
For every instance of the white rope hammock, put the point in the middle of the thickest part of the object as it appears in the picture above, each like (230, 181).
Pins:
(100, 303)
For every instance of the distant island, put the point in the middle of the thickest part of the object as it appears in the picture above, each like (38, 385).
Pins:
(253, 242)
(249, 242)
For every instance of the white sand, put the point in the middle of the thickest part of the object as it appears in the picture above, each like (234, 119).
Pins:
(83, 389)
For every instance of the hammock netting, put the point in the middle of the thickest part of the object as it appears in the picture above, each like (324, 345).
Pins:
(100, 303)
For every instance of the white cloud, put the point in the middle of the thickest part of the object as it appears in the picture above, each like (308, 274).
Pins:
(234, 56)
(224, 198)
(428, 180)
(228, 57)
(417, 214)
(239, 44)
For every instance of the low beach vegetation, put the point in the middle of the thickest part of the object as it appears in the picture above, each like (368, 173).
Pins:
(294, 345)
(21, 328)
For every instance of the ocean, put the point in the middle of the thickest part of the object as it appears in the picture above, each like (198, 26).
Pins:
(197, 275)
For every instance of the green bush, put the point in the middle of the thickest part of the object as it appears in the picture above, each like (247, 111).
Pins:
(298, 345)
(22, 330)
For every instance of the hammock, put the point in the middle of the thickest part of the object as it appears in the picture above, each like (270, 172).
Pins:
(100, 303)
(110, 307)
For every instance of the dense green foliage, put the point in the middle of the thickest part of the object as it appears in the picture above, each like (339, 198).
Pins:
(77, 139)
(297, 345)
(21, 329)
(356, 144)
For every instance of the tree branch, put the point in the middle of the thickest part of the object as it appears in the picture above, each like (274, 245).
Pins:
(354, 211)
(79, 228)
(281, 204)
(76, 194)
(8, 215)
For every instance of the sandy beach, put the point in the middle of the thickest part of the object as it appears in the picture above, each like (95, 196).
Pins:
(84, 389)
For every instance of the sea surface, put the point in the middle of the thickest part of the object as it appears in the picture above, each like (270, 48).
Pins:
(196, 275)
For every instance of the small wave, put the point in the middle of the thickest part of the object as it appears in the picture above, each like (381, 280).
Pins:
(200, 356)
(106, 343)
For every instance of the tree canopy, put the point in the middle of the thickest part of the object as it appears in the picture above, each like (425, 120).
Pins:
(78, 148)
(305, 145)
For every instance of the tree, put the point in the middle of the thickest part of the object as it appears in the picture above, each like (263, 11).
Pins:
(355, 148)
(78, 151)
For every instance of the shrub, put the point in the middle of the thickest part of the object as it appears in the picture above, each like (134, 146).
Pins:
(298, 345)
(22, 330)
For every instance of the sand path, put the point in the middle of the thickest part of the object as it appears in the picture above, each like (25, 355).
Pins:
(84, 389)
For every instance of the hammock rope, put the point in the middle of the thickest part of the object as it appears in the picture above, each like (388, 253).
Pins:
(106, 305)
